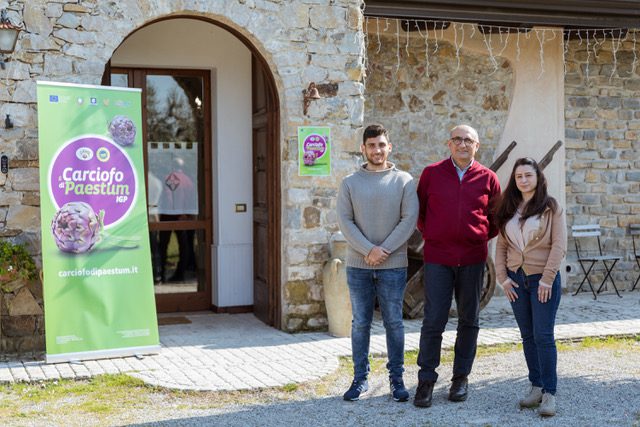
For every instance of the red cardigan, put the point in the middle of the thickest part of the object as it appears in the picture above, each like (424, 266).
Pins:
(454, 216)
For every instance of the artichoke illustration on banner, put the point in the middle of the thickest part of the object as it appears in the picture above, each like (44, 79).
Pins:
(93, 186)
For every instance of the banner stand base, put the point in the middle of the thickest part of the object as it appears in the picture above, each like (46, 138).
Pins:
(138, 352)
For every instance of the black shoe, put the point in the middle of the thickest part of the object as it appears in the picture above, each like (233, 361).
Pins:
(459, 389)
(357, 388)
(424, 394)
(399, 392)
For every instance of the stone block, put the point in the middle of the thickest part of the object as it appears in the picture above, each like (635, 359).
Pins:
(297, 254)
(586, 124)
(22, 115)
(317, 322)
(294, 323)
(69, 20)
(588, 199)
(632, 176)
(25, 92)
(25, 218)
(75, 36)
(24, 179)
(293, 219)
(23, 304)
(57, 65)
(31, 198)
(592, 176)
(311, 217)
(305, 309)
(608, 114)
(35, 19)
(599, 164)
(53, 10)
(37, 42)
(581, 101)
(317, 293)
(8, 198)
(297, 292)
(572, 133)
(19, 326)
(76, 8)
(609, 103)
(299, 273)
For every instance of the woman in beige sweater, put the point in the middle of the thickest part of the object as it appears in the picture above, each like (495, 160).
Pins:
(531, 245)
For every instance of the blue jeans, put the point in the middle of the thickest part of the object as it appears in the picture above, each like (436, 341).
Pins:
(388, 286)
(441, 283)
(536, 321)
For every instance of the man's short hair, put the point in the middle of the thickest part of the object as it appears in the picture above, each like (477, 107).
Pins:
(373, 131)
(468, 128)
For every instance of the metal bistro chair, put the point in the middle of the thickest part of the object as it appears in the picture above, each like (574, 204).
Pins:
(635, 234)
(587, 261)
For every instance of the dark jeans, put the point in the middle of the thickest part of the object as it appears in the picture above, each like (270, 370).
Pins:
(365, 285)
(441, 282)
(536, 321)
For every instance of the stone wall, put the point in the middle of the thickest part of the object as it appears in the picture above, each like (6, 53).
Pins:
(301, 41)
(21, 318)
(602, 115)
(419, 103)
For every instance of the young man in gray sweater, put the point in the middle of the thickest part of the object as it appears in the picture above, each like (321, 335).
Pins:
(377, 213)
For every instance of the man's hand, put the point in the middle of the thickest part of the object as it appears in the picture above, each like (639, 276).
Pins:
(377, 256)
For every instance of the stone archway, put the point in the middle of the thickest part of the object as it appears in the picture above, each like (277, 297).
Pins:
(229, 275)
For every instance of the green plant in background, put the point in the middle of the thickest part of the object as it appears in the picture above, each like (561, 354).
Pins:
(15, 263)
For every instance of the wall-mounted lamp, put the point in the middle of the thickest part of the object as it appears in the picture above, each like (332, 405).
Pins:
(309, 94)
(8, 124)
(8, 36)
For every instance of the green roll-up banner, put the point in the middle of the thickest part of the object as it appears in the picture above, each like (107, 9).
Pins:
(98, 284)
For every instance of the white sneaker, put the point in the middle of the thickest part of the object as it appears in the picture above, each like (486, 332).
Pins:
(532, 399)
(548, 405)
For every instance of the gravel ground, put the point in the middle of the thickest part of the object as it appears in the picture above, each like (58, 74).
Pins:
(596, 387)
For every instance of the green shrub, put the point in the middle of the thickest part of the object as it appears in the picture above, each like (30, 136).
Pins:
(16, 263)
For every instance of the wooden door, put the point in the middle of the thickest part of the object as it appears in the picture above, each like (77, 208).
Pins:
(266, 198)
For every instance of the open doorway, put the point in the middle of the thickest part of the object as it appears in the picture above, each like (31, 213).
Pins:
(212, 127)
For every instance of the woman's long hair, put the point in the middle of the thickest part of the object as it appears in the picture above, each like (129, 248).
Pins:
(512, 197)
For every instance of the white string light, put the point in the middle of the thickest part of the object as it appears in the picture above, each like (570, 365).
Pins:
(398, 44)
(365, 59)
(459, 46)
(505, 43)
(615, 46)
(588, 37)
(588, 56)
(487, 43)
(378, 34)
(406, 46)
(635, 55)
(435, 37)
(426, 47)
(541, 41)
(565, 51)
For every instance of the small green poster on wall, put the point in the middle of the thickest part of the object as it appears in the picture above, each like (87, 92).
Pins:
(314, 151)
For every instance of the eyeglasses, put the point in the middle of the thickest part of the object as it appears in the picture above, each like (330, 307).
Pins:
(458, 141)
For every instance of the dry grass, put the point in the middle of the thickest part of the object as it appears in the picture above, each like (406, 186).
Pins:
(73, 402)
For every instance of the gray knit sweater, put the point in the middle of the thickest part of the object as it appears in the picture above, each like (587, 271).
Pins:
(377, 208)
